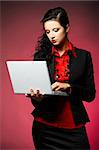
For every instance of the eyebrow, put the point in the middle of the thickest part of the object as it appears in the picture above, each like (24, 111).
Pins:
(53, 28)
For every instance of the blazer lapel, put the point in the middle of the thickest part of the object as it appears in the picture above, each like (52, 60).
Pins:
(75, 68)
(50, 63)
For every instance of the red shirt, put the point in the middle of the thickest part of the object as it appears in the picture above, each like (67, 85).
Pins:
(62, 74)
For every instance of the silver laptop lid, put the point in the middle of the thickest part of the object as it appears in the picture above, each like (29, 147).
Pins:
(25, 75)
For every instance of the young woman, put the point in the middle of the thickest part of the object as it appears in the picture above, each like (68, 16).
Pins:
(59, 121)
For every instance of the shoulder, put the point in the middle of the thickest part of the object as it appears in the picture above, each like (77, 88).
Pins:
(82, 53)
(39, 55)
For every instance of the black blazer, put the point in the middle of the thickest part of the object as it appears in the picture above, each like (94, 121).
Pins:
(81, 81)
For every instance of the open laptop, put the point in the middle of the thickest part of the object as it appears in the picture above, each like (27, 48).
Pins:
(26, 75)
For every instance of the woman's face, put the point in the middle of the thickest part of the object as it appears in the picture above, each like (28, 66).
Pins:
(55, 32)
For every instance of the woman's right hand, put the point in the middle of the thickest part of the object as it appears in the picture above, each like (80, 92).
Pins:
(36, 95)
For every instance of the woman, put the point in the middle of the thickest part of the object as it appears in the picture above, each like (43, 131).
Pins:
(59, 121)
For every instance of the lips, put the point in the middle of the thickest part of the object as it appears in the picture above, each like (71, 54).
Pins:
(53, 41)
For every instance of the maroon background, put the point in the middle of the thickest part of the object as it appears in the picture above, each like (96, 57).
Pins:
(20, 31)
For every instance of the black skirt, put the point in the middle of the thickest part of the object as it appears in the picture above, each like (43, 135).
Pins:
(51, 138)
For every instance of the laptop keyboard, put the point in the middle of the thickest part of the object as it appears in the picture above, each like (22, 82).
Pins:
(60, 93)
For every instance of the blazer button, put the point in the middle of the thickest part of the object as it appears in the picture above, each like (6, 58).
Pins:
(57, 77)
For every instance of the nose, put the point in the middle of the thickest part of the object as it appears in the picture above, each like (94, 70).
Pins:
(52, 36)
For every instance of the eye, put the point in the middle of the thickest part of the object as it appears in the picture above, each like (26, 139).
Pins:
(47, 31)
(56, 29)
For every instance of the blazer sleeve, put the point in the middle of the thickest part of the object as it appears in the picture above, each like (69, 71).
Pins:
(87, 91)
(37, 57)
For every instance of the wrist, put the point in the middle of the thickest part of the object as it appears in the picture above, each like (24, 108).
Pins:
(69, 89)
(68, 85)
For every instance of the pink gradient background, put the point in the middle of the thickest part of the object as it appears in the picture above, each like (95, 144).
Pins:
(20, 31)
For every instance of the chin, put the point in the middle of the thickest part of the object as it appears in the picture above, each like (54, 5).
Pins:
(56, 44)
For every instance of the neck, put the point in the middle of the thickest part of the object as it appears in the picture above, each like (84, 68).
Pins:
(62, 47)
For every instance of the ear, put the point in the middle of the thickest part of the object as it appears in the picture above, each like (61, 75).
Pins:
(67, 28)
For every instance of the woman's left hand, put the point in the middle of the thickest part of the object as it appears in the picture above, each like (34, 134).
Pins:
(60, 86)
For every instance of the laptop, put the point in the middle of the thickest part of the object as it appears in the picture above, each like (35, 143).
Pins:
(26, 75)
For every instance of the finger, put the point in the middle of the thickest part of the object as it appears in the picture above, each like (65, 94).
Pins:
(58, 88)
(40, 95)
(26, 94)
(55, 85)
(37, 92)
(32, 92)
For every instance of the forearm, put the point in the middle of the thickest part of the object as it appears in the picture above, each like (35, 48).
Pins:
(83, 92)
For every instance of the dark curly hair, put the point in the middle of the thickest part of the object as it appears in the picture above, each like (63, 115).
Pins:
(44, 45)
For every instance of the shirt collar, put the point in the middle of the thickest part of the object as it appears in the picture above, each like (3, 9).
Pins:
(70, 50)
